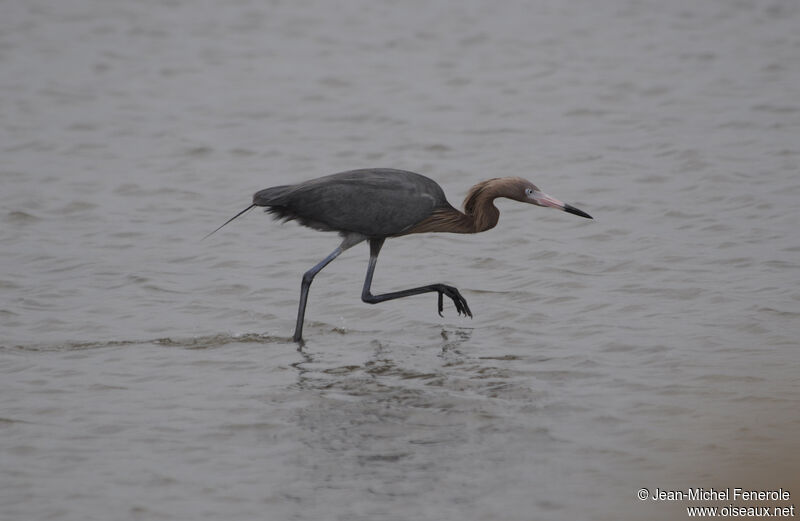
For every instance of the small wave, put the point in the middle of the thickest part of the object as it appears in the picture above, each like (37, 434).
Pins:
(200, 342)
(20, 217)
(211, 341)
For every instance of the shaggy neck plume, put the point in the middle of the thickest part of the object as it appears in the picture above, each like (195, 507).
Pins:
(480, 213)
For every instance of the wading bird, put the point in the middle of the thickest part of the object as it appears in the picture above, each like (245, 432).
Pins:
(376, 203)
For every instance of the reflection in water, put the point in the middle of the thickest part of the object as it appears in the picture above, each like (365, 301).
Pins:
(408, 420)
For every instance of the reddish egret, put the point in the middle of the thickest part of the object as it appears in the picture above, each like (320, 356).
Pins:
(376, 203)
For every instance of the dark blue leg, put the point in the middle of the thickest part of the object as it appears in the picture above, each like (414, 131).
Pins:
(308, 277)
(442, 289)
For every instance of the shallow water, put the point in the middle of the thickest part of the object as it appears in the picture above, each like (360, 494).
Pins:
(146, 374)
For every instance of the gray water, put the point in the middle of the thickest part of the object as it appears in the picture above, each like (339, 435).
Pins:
(146, 374)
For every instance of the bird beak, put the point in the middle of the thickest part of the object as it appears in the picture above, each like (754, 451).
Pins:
(542, 199)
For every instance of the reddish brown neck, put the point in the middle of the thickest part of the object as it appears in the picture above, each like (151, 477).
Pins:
(480, 213)
(479, 204)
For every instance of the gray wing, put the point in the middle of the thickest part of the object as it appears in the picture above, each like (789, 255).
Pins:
(376, 202)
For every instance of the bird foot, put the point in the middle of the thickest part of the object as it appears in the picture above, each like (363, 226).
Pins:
(459, 301)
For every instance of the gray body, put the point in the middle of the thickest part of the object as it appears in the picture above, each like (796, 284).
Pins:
(373, 203)
(370, 204)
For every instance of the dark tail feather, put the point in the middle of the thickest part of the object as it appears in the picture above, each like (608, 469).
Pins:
(271, 196)
(229, 220)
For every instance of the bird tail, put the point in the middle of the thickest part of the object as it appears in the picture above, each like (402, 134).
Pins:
(229, 220)
(273, 196)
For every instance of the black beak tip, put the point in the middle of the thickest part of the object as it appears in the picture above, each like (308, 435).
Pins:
(571, 209)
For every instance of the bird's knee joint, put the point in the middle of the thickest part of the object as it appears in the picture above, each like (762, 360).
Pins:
(307, 278)
(368, 298)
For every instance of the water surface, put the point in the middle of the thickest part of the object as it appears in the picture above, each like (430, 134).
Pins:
(145, 374)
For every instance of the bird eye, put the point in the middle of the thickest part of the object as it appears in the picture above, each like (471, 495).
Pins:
(528, 191)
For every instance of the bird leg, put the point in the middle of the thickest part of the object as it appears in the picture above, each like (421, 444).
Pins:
(442, 289)
(308, 277)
